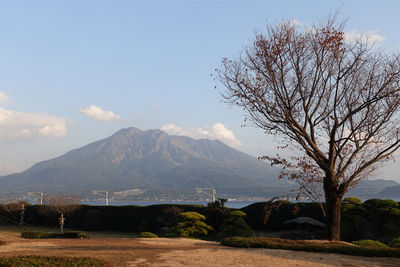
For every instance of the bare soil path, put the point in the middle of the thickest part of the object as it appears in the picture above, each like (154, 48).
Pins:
(174, 252)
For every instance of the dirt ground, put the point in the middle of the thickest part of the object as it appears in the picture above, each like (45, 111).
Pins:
(173, 252)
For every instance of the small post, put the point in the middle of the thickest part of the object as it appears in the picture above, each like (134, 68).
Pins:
(61, 220)
(106, 197)
(22, 213)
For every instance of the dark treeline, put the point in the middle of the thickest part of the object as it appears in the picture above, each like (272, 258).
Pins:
(373, 219)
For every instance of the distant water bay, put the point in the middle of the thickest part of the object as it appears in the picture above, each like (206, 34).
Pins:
(229, 204)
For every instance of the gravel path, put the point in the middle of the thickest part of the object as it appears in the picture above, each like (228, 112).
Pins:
(180, 252)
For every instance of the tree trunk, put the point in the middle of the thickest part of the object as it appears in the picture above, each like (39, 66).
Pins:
(333, 206)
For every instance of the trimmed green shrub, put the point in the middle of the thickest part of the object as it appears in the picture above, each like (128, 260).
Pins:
(395, 243)
(192, 216)
(384, 215)
(302, 245)
(352, 200)
(147, 235)
(381, 203)
(237, 214)
(369, 243)
(39, 235)
(235, 225)
(354, 223)
(51, 261)
(191, 225)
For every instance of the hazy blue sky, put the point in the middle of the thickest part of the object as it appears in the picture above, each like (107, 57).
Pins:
(73, 72)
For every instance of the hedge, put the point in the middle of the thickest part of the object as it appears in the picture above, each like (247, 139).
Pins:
(39, 235)
(112, 218)
(300, 245)
(369, 243)
(147, 235)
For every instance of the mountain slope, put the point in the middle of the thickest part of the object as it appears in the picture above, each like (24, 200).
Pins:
(148, 160)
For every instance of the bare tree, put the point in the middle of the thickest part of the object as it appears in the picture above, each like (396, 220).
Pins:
(337, 102)
(61, 200)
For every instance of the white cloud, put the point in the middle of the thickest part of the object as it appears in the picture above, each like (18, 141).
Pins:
(372, 37)
(216, 131)
(291, 22)
(4, 98)
(22, 125)
(99, 114)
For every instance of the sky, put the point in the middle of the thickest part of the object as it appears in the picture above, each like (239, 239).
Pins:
(74, 72)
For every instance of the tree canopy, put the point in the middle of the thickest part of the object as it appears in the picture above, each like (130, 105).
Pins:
(334, 100)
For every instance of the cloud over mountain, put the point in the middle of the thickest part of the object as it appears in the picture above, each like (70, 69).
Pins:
(216, 131)
(99, 114)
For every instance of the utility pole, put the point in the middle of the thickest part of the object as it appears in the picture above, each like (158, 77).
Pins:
(213, 194)
(106, 197)
(41, 198)
(22, 213)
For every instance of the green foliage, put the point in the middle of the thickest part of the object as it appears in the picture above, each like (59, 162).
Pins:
(191, 216)
(147, 235)
(395, 243)
(352, 200)
(51, 261)
(302, 245)
(235, 225)
(384, 215)
(369, 243)
(191, 225)
(237, 213)
(39, 235)
(381, 203)
(193, 229)
(354, 222)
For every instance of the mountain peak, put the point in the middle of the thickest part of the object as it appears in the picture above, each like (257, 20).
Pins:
(132, 158)
(127, 131)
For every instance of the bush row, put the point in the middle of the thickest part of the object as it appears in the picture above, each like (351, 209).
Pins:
(47, 261)
(376, 219)
(299, 245)
(39, 235)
